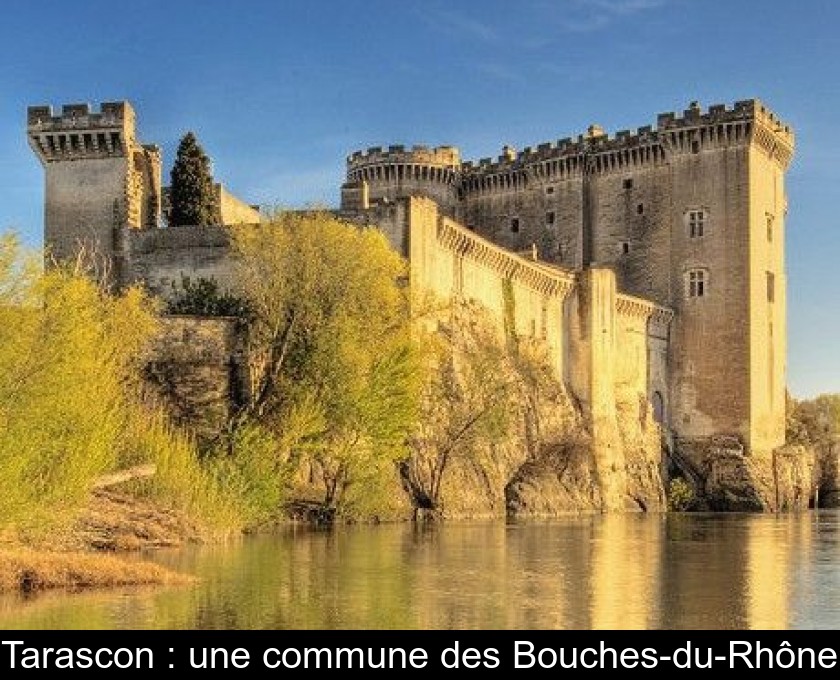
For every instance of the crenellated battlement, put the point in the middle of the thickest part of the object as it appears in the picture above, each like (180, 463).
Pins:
(75, 116)
(78, 132)
(744, 110)
(749, 121)
(598, 152)
(397, 165)
(595, 152)
(444, 156)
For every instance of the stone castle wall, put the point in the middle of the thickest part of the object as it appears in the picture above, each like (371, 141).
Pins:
(609, 349)
(198, 370)
(161, 258)
(233, 210)
(628, 203)
(615, 233)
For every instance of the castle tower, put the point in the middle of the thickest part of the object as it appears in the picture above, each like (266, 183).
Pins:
(689, 214)
(727, 281)
(98, 180)
(376, 177)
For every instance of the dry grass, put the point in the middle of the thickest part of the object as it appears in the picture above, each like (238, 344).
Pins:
(74, 557)
(119, 522)
(28, 571)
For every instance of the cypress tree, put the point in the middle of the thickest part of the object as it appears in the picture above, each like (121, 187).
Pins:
(192, 198)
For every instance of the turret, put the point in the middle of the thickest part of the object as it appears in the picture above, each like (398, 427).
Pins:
(98, 180)
(380, 176)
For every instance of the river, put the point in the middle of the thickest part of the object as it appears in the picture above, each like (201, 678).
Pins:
(621, 571)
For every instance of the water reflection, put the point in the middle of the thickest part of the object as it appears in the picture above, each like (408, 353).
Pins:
(635, 571)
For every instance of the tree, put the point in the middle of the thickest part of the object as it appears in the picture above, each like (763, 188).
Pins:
(469, 400)
(203, 297)
(334, 373)
(192, 195)
(813, 422)
(70, 358)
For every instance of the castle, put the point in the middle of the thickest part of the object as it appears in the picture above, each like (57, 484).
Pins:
(650, 263)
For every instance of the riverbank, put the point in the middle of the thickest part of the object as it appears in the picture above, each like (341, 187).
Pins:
(85, 555)
(27, 570)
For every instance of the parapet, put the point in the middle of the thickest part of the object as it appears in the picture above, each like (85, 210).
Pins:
(77, 132)
(76, 116)
(629, 147)
(716, 114)
(439, 156)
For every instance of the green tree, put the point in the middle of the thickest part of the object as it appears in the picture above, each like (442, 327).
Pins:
(203, 297)
(192, 195)
(469, 396)
(813, 422)
(334, 373)
(70, 359)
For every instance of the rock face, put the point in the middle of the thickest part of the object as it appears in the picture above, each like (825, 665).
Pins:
(546, 461)
(829, 491)
(197, 369)
(561, 475)
(725, 478)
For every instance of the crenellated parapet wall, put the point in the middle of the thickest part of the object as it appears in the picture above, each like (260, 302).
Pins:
(565, 159)
(442, 156)
(396, 163)
(77, 132)
(385, 175)
(596, 152)
(747, 122)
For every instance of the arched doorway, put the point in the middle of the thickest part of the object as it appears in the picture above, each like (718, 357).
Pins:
(658, 407)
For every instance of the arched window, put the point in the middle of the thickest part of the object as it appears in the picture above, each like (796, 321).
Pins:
(658, 405)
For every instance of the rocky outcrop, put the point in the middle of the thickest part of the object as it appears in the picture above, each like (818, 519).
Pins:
(728, 478)
(197, 369)
(562, 476)
(544, 461)
(829, 464)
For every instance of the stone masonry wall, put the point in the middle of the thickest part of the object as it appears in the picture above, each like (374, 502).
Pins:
(234, 210)
(598, 342)
(198, 370)
(160, 258)
(625, 202)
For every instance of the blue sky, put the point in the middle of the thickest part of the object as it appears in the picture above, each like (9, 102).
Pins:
(280, 92)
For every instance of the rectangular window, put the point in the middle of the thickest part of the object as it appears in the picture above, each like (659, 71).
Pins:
(514, 225)
(549, 190)
(696, 283)
(549, 217)
(771, 287)
(544, 321)
(696, 223)
(628, 183)
(769, 228)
